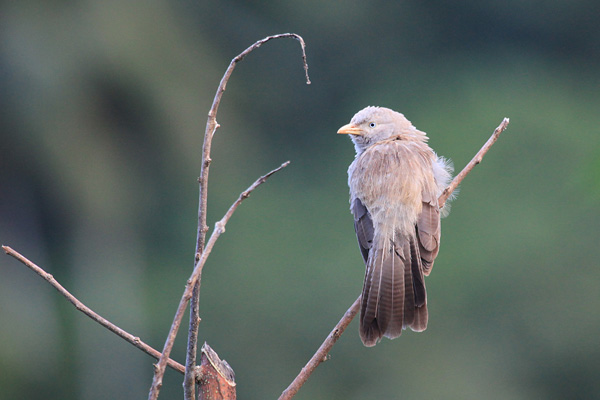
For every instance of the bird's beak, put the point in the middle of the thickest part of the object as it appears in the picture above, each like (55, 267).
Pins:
(350, 129)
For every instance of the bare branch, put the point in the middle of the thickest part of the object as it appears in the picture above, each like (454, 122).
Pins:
(322, 352)
(134, 340)
(189, 381)
(211, 128)
(476, 160)
(159, 369)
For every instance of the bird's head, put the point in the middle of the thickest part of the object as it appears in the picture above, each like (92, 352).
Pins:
(376, 124)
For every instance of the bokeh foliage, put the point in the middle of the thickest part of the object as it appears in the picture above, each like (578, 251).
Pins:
(103, 109)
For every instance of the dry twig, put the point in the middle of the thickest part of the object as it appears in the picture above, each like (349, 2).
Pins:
(193, 284)
(322, 352)
(211, 127)
(134, 340)
(476, 160)
(159, 369)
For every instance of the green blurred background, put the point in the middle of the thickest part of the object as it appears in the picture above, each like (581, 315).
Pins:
(102, 113)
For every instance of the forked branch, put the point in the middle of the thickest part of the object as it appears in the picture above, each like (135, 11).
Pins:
(159, 369)
(136, 341)
(203, 249)
(211, 127)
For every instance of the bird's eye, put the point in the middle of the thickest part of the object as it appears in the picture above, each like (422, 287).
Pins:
(372, 124)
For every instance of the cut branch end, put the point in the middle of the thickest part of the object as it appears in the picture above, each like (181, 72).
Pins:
(214, 376)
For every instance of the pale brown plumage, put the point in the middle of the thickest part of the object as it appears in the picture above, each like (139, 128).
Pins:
(394, 181)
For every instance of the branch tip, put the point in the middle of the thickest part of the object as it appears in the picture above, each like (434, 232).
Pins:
(474, 161)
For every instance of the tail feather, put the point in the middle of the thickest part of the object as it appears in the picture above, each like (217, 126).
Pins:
(370, 332)
(421, 316)
(391, 301)
(418, 278)
(394, 295)
(409, 297)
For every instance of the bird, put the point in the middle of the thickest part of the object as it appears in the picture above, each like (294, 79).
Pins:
(395, 181)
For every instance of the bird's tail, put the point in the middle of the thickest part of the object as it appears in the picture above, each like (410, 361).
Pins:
(394, 295)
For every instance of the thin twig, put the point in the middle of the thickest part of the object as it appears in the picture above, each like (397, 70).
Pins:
(189, 381)
(136, 341)
(159, 369)
(322, 352)
(211, 128)
(476, 160)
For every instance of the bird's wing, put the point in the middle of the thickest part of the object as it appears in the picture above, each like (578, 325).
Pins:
(363, 225)
(428, 232)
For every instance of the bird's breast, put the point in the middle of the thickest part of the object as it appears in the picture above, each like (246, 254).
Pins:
(389, 179)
